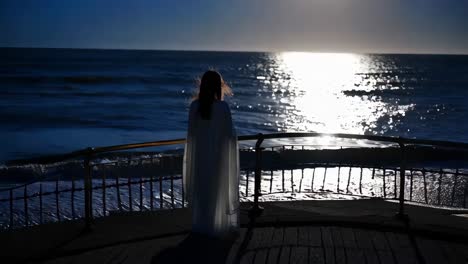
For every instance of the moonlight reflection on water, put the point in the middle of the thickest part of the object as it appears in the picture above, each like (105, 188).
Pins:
(312, 88)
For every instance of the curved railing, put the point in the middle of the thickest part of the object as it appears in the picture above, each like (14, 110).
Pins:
(402, 143)
(83, 159)
(259, 137)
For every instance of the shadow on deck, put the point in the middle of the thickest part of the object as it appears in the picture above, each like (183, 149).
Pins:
(346, 231)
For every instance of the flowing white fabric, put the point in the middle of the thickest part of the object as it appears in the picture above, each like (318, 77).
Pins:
(211, 171)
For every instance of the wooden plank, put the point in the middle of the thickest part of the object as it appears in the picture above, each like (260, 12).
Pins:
(349, 241)
(378, 240)
(315, 236)
(117, 254)
(290, 241)
(328, 246)
(284, 254)
(276, 246)
(290, 236)
(299, 254)
(363, 239)
(383, 249)
(401, 248)
(407, 247)
(430, 251)
(234, 251)
(460, 251)
(364, 242)
(403, 240)
(303, 236)
(340, 254)
(261, 239)
(138, 253)
(451, 254)
(172, 249)
(316, 255)
(316, 250)
(353, 253)
(261, 256)
(247, 258)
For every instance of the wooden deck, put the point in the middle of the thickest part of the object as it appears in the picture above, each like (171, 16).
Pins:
(331, 244)
(287, 232)
(302, 244)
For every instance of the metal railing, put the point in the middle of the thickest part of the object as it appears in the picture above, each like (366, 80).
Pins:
(402, 143)
(87, 155)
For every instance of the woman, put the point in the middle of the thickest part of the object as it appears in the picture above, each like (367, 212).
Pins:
(211, 160)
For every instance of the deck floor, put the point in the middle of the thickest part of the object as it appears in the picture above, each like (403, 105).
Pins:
(288, 232)
(301, 244)
(331, 244)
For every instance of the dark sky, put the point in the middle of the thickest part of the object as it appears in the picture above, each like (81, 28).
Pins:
(391, 26)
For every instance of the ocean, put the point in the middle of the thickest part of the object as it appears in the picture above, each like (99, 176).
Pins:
(59, 100)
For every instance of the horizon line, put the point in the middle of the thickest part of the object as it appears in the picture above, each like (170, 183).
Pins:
(235, 51)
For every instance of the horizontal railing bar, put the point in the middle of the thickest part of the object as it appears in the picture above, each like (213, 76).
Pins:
(319, 191)
(288, 147)
(336, 135)
(439, 143)
(99, 150)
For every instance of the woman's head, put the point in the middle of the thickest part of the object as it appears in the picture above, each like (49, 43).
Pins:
(211, 88)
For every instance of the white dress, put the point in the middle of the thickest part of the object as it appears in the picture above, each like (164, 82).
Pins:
(211, 171)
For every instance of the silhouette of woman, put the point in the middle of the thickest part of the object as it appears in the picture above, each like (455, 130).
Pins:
(211, 160)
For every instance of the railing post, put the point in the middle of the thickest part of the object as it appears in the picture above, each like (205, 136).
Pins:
(88, 190)
(401, 212)
(256, 208)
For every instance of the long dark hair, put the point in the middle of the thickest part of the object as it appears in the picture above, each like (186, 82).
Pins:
(211, 88)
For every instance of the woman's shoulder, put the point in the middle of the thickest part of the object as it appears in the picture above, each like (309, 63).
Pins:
(194, 103)
(218, 105)
(222, 105)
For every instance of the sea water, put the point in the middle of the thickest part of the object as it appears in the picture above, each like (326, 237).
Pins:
(59, 100)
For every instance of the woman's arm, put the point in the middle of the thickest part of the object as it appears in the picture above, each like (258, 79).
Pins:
(228, 120)
(188, 153)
